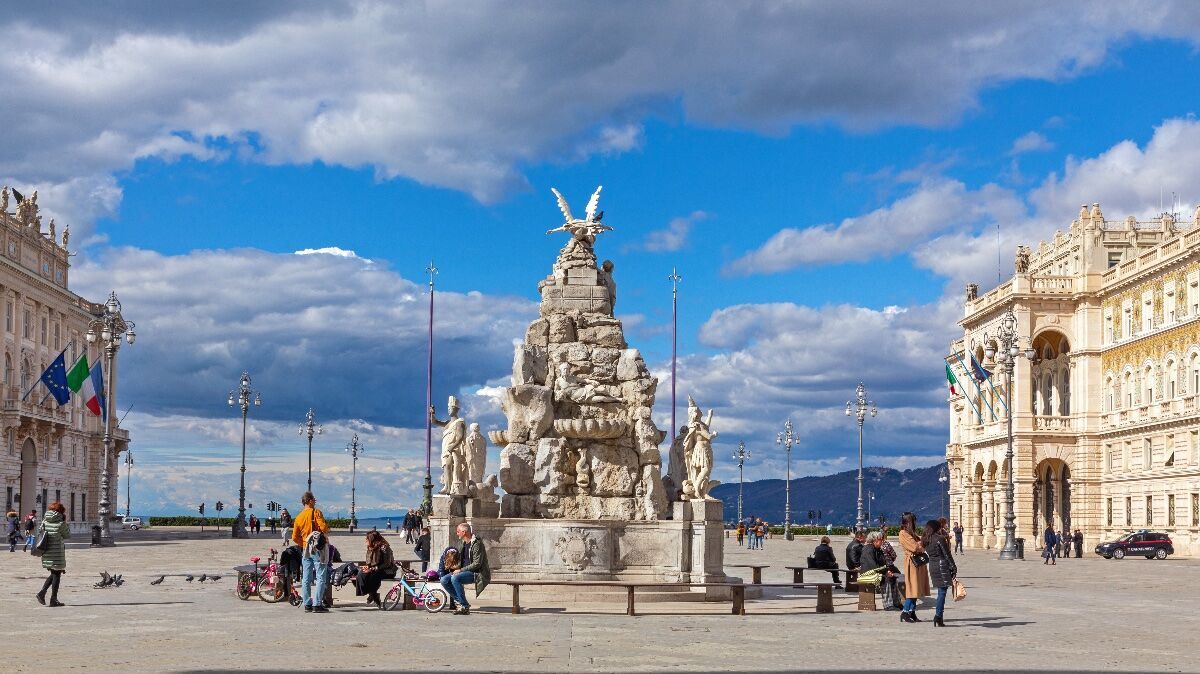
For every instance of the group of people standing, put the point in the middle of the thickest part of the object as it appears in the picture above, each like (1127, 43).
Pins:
(753, 529)
(1057, 545)
(928, 562)
(13, 529)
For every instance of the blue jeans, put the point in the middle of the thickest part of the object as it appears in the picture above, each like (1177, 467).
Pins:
(941, 601)
(453, 582)
(312, 564)
(910, 605)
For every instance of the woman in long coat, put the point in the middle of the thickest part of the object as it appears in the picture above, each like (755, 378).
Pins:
(54, 559)
(942, 569)
(916, 578)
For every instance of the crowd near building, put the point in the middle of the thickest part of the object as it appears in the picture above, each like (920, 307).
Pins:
(1106, 413)
(50, 453)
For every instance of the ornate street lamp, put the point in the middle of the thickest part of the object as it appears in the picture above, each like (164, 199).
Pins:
(674, 278)
(1003, 348)
(242, 397)
(859, 407)
(787, 438)
(740, 456)
(310, 427)
(128, 480)
(355, 449)
(108, 328)
(943, 478)
(427, 498)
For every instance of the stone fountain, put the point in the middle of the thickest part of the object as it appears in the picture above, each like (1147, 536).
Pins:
(580, 465)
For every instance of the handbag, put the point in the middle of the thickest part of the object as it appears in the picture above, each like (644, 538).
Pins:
(920, 559)
(960, 590)
(41, 544)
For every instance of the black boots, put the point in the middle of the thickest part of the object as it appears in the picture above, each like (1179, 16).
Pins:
(938, 622)
(908, 617)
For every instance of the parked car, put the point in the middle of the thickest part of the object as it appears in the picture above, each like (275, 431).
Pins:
(133, 523)
(1150, 544)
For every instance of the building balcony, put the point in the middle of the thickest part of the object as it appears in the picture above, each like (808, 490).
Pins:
(31, 409)
(1041, 423)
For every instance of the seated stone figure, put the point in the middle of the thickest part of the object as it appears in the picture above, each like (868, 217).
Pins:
(579, 390)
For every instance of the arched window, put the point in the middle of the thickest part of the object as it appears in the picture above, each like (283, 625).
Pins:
(8, 370)
(1148, 384)
(1172, 380)
(1064, 396)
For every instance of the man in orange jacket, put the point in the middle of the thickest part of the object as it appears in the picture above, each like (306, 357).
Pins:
(315, 555)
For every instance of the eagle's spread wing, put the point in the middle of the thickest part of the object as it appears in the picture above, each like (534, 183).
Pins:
(590, 213)
(562, 205)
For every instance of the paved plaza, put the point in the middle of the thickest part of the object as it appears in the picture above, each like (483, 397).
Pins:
(1082, 615)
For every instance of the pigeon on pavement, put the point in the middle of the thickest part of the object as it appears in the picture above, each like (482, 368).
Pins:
(158, 580)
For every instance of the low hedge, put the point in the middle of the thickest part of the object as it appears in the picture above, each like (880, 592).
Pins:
(225, 522)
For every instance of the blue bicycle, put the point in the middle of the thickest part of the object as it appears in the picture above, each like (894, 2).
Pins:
(434, 599)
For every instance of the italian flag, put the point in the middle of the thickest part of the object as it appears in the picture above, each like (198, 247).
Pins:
(951, 381)
(88, 383)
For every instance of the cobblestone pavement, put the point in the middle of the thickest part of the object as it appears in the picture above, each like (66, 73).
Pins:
(1081, 615)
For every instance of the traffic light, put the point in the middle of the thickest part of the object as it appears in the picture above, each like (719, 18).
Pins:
(250, 506)
(220, 506)
(201, 508)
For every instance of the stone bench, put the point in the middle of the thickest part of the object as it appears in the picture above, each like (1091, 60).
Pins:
(756, 571)
(851, 575)
(737, 591)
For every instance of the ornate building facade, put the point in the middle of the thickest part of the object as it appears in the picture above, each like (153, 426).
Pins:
(1106, 415)
(50, 453)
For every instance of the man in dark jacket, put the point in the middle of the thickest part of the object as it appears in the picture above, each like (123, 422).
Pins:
(854, 550)
(474, 569)
(422, 548)
(1078, 540)
(823, 558)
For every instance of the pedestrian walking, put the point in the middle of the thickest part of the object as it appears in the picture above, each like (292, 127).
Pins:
(958, 535)
(285, 520)
(422, 548)
(12, 529)
(311, 533)
(30, 525)
(54, 556)
(389, 524)
(1049, 539)
(942, 569)
(916, 572)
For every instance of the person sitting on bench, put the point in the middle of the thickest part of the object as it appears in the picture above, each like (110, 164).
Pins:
(873, 557)
(854, 550)
(823, 558)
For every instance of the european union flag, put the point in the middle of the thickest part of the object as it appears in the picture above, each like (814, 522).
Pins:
(55, 379)
(979, 372)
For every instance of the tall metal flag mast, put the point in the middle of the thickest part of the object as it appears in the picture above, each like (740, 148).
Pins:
(427, 499)
(674, 278)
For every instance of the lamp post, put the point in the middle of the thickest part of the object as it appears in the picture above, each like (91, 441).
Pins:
(870, 504)
(241, 397)
(427, 498)
(740, 456)
(859, 407)
(1003, 348)
(108, 328)
(787, 438)
(674, 278)
(310, 427)
(128, 481)
(355, 449)
(942, 478)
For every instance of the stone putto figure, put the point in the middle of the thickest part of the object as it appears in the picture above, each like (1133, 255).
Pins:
(66, 234)
(972, 291)
(4, 199)
(52, 234)
(476, 455)
(677, 469)
(698, 448)
(454, 457)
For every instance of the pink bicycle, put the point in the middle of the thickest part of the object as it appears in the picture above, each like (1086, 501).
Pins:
(275, 584)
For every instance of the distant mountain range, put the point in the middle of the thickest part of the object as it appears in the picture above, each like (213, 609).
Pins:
(836, 496)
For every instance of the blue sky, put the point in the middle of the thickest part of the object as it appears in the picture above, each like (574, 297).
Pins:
(825, 182)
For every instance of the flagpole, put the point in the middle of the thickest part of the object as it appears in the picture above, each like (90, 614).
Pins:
(974, 381)
(674, 278)
(427, 500)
